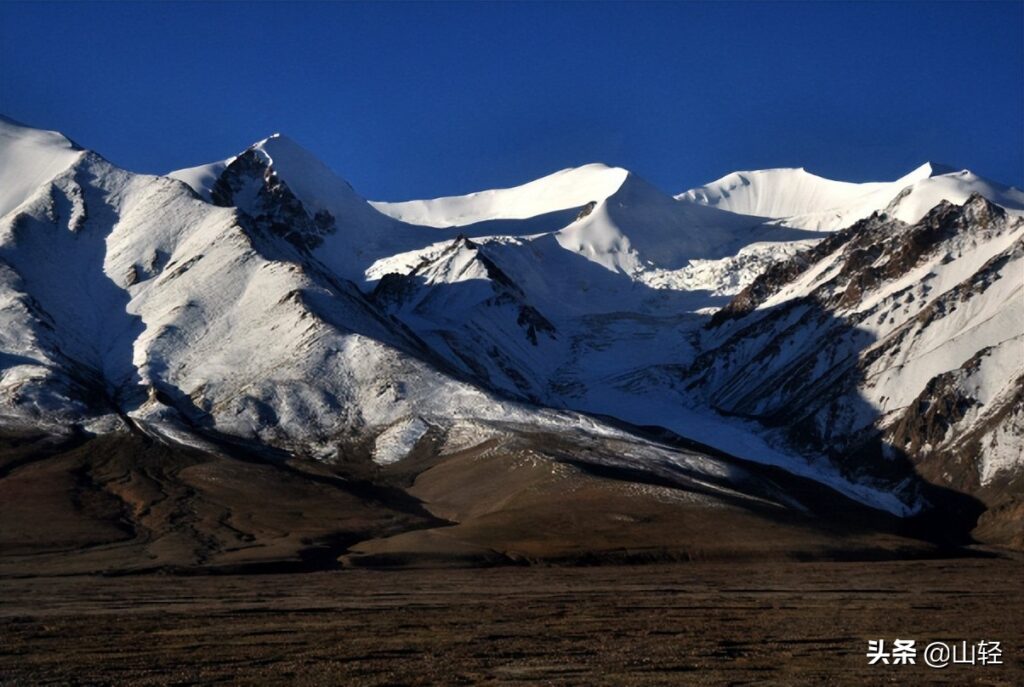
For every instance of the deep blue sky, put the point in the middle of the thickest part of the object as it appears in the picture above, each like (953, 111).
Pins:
(418, 100)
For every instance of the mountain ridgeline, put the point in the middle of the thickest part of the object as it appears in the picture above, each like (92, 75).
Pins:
(762, 342)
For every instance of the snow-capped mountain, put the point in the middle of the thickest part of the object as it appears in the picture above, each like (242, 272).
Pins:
(128, 299)
(289, 192)
(262, 299)
(797, 198)
(892, 348)
(604, 214)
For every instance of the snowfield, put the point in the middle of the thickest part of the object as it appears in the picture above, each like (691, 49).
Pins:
(800, 199)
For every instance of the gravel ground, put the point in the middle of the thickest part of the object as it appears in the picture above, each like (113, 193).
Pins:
(699, 623)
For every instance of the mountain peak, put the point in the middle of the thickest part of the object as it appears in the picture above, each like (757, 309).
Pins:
(567, 189)
(300, 167)
(804, 200)
(932, 169)
(282, 141)
(315, 184)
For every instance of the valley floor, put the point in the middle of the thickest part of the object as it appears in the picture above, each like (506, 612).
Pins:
(690, 623)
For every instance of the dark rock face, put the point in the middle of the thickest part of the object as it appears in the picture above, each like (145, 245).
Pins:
(807, 365)
(534, 323)
(863, 244)
(781, 273)
(252, 186)
(937, 409)
(586, 210)
(395, 290)
(392, 290)
(473, 319)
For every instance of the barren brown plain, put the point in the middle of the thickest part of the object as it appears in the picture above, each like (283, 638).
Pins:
(782, 623)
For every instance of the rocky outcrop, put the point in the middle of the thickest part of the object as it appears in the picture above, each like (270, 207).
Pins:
(250, 184)
(894, 350)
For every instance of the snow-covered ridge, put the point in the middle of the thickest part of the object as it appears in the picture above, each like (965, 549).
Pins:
(618, 220)
(202, 178)
(569, 188)
(28, 159)
(786, 192)
(798, 198)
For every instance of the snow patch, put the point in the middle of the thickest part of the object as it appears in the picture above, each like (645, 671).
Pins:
(398, 440)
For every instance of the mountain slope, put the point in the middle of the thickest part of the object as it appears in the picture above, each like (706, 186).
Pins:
(126, 297)
(131, 306)
(890, 348)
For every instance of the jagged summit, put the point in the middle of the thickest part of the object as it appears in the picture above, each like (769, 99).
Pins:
(285, 189)
(313, 181)
(309, 178)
